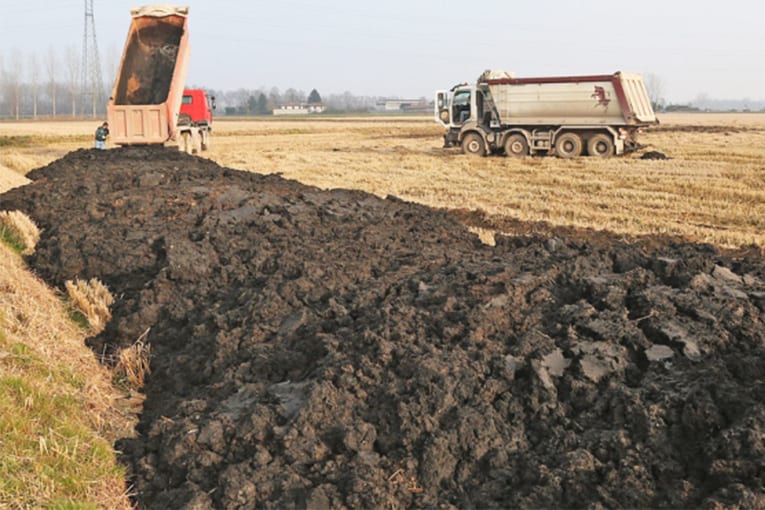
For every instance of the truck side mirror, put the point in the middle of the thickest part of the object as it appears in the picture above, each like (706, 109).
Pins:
(212, 102)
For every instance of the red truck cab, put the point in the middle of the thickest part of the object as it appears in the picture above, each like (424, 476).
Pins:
(195, 121)
(197, 107)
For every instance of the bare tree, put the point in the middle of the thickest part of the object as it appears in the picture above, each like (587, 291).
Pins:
(51, 66)
(655, 87)
(2, 81)
(274, 97)
(294, 96)
(701, 101)
(72, 63)
(13, 83)
(34, 82)
(113, 57)
(238, 98)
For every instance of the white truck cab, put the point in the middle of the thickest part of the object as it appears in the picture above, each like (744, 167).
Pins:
(458, 106)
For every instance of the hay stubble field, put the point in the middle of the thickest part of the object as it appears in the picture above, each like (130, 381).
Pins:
(711, 190)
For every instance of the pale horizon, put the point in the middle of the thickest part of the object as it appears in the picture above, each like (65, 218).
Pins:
(407, 49)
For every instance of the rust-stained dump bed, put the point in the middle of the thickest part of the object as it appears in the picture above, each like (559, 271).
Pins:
(150, 58)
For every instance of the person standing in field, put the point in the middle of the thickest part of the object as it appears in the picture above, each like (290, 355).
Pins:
(102, 133)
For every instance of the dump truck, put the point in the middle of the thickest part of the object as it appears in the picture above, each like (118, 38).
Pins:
(149, 103)
(567, 116)
(195, 120)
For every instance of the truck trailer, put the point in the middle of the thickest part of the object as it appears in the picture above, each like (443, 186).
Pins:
(567, 116)
(149, 103)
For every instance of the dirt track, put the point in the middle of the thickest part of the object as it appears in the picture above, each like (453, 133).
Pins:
(332, 349)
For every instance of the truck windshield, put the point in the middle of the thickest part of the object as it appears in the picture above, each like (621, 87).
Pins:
(461, 106)
(462, 98)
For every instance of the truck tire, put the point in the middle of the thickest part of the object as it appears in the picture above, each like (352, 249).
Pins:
(600, 145)
(568, 145)
(186, 142)
(516, 146)
(205, 140)
(473, 144)
(196, 142)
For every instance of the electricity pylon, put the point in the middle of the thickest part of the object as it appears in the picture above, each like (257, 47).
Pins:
(91, 82)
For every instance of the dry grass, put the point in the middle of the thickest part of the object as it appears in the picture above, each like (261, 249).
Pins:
(10, 179)
(712, 190)
(485, 235)
(93, 300)
(25, 146)
(19, 230)
(134, 362)
(57, 406)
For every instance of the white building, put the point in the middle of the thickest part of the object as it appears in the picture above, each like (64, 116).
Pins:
(299, 108)
(404, 105)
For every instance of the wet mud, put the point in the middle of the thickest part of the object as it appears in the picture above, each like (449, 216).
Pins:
(654, 155)
(689, 128)
(331, 349)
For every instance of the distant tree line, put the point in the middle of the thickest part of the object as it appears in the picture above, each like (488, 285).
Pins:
(702, 103)
(263, 101)
(33, 86)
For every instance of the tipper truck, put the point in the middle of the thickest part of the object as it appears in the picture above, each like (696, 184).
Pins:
(149, 104)
(195, 120)
(566, 116)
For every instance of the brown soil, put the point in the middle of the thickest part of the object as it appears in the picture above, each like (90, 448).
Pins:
(330, 349)
(654, 155)
(684, 128)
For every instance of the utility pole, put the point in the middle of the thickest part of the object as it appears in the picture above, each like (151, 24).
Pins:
(91, 83)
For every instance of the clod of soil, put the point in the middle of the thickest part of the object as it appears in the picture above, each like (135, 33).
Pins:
(654, 155)
(330, 349)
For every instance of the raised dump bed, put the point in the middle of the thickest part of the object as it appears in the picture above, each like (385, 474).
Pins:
(146, 98)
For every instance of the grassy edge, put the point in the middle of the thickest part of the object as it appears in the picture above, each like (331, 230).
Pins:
(58, 421)
(11, 240)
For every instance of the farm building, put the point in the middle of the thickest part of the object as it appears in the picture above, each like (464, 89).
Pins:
(299, 108)
(405, 105)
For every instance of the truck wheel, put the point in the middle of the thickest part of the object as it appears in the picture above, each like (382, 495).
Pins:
(473, 144)
(205, 141)
(516, 146)
(600, 145)
(568, 145)
(186, 142)
(196, 143)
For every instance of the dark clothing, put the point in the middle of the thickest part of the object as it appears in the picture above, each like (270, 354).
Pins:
(102, 133)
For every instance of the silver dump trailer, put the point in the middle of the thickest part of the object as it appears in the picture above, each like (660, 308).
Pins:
(567, 116)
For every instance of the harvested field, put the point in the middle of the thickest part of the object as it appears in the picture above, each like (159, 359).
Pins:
(711, 190)
(338, 349)
(11, 179)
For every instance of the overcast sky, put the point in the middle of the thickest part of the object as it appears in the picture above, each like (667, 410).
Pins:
(410, 48)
